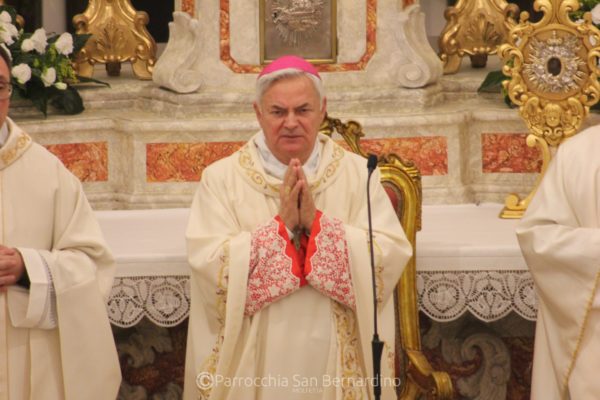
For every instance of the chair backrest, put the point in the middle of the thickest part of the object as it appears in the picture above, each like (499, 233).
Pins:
(402, 182)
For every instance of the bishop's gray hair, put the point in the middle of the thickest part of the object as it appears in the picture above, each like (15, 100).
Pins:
(266, 81)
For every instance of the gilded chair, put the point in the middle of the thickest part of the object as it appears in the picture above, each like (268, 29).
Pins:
(402, 183)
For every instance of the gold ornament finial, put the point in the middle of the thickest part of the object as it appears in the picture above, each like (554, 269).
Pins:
(475, 28)
(553, 66)
(118, 35)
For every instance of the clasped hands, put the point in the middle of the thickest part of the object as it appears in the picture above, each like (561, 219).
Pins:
(297, 208)
(11, 267)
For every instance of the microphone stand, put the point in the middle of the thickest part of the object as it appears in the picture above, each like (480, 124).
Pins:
(376, 344)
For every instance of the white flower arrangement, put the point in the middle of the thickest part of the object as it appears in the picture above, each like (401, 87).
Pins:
(42, 64)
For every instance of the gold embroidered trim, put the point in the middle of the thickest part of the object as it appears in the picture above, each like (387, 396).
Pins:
(256, 177)
(379, 283)
(348, 352)
(246, 162)
(13, 149)
(210, 364)
(390, 357)
(332, 167)
(588, 308)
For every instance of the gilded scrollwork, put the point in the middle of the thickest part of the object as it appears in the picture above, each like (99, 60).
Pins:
(118, 35)
(553, 70)
(474, 28)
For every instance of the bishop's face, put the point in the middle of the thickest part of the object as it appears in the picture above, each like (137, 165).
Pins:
(290, 115)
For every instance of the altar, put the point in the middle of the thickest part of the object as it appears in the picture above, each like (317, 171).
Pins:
(475, 293)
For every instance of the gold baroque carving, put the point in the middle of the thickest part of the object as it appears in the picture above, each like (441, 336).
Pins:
(118, 35)
(475, 28)
(553, 70)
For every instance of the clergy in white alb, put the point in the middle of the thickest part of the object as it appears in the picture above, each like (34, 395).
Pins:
(560, 239)
(284, 310)
(55, 275)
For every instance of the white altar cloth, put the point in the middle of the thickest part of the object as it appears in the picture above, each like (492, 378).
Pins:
(467, 237)
(468, 260)
(147, 242)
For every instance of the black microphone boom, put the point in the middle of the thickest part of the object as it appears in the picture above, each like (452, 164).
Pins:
(371, 163)
(376, 344)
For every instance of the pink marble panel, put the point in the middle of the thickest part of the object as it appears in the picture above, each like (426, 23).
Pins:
(183, 162)
(508, 152)
(87, 161)
(225, 44)
(429, 153)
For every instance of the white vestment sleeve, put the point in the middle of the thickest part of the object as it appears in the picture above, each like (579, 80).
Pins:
(36, 307)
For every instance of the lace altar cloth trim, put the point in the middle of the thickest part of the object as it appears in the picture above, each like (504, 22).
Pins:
(489, 295)
(164, 300)
(442, 295)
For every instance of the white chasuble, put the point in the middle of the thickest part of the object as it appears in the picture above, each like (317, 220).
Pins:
(55, 339)
(268, 322)
(560, 239)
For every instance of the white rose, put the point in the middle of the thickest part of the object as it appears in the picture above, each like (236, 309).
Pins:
(7, 32)
(596, 14)
(39, 40)
(27, 45)
(5, 17)
(22, 73)
(5, 35)
(12, 30)
(60, 85)
(64, 44)
(49, 76)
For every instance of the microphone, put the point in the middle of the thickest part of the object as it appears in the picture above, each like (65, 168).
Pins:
(376, 344)
(371, 164)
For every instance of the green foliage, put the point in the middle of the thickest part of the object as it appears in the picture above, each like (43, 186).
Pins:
(492, 82)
